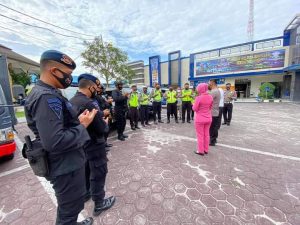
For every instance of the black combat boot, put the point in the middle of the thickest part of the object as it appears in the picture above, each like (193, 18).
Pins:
(106, 204)
(121, 137)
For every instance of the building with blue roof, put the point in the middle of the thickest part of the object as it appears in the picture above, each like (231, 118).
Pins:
(246, 66)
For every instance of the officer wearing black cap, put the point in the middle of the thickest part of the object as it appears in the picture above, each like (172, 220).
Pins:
(61, 133)
(83, 100)
(120, 109)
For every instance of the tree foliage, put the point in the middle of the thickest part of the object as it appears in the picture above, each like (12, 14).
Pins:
(22, 78)
(266, 94)
(107, 60)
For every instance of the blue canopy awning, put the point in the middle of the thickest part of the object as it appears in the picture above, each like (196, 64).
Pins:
(292, 68)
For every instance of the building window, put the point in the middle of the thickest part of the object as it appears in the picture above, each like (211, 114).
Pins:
(214, 54)
(259, 45)
(225, 51)
(277, 43)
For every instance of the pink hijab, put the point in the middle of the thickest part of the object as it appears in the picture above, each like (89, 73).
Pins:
(202, 88)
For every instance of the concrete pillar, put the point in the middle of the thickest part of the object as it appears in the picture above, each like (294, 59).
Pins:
(295, 86)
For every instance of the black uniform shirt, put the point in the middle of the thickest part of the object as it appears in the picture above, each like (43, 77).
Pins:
(51, 118)
(120, 100)
(102, 102)
(97, 128)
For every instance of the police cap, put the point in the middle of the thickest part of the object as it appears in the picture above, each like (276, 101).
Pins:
(90, 77)
(58, 57)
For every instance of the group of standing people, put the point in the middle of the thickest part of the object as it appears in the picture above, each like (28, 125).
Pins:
(210, 104)
(137, 105)
(73, 136)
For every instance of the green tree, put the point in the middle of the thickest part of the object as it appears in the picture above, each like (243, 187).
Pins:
(107, 60)
(22, 78)
(266, 91)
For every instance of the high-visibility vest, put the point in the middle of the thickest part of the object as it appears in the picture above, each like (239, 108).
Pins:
(187, 95)
(171, 96)
(144, 99)
(134, 99)
(157, 94)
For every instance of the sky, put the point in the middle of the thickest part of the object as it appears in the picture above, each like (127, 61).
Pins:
(140, 28)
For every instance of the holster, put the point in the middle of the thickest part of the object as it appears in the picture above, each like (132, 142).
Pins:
(37, 157)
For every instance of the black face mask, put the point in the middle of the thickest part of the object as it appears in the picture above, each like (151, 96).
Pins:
(120, 87)
(228, 88)
(66, 80)
(186, 88)
(93, 93)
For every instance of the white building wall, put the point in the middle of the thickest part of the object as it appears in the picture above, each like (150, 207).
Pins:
(164, 73)
(185, 70)
(146, 75)
(257, 80)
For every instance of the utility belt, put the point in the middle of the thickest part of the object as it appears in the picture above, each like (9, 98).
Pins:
(227, 102)
(37, 156)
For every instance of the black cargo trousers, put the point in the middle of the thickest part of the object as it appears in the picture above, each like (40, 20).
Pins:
(96, 171)
(70, 191)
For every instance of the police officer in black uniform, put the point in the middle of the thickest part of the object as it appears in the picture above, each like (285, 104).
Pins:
(105, 106)
(120, 109)
(83, 100)
(61, 133)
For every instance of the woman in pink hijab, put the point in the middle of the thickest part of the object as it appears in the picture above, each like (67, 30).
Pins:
(203, 117)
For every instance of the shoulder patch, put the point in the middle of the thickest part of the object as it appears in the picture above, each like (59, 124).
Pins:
(56, 105)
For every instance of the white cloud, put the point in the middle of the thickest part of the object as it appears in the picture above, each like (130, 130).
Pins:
(143, 28)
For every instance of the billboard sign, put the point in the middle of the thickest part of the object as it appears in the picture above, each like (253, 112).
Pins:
(154, 69)
(256, 61)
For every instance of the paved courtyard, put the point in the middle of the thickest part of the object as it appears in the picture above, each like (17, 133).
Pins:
(251, 177)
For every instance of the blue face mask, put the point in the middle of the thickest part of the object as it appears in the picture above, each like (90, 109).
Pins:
(66, 80)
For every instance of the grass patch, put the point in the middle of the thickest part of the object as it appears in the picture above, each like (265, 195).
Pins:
(20, 114)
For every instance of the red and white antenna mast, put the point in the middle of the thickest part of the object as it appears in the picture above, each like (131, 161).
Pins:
(250, 29)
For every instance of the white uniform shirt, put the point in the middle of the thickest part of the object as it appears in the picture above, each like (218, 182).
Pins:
(222, 97)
